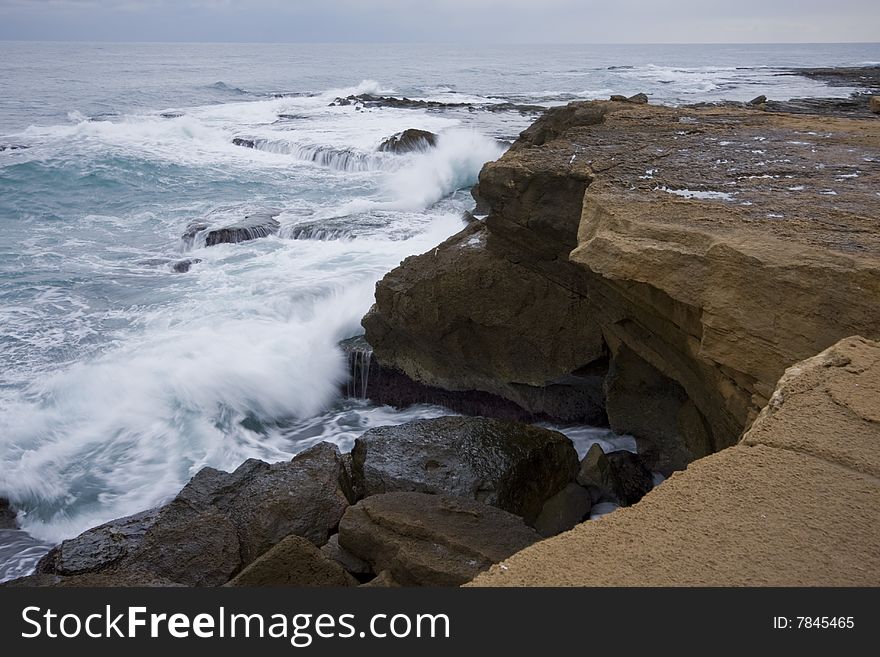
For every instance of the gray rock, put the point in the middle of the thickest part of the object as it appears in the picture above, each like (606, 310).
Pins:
(251, 227)
(183, 266)
(431, 540)
(219, 523)
(619, 477)
(567, 508)
(516, 467)
(293, 562)
(408, 141)
(641, 99)
(596, 476)
(332, 550)
(760, 100)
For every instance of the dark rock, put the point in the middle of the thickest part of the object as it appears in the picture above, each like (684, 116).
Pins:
(431, 540)
(12, 147)
(408, 141)
(640, 99)
(245, 142)
(183, 266)
(333, 551)
(468, 217)
(516, 467)
(293, 562)
(617, 98)
(171, 115)
(595, 474)
(291, 117)
(217, 524)
(760, 100)
(482, 208)
(7, 515)
(567, 508)
(842, 76)
(632, 480)
(620, 477)
(106, 579)
(252, 226)
(383, 580)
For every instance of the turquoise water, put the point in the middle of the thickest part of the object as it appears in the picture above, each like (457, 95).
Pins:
(119, 379)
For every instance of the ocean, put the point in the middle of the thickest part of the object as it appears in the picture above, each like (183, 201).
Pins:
(120, 378)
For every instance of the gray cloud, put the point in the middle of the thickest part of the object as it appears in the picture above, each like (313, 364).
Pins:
(535, 21)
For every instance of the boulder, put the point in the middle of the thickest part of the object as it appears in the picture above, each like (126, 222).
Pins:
(251, 227)
(617, 98)
(409, 140)
(620, 477)
(640, 99)
(333, 551)
(244, 141)
(8, 515)
(294, 561)
(802, 488)
(875, 104)
(516, 467)
(431, 540)
(760, 100)
(564, 510)
(217, 524)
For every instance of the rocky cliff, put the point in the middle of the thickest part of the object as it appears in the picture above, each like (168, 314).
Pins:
(795, 503)
(658, 266)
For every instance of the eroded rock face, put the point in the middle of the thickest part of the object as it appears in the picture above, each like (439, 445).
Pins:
(516, 467)
(756, 514)
(217, 524)
(431, 540)
(7, 515)
(698, 251)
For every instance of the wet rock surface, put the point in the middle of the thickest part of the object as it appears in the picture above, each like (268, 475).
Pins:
(7, 515)
(408, 141)
(515, 467)
(217, 524)
(431, 540)
(214, 231)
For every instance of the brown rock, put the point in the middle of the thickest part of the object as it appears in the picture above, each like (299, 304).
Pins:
(875, 104)
(757, 514)
(431, 540)
(408, 141)
(640, 99)
(564, 510)
(516, 467)
(333, 551)
(294, 561)
(383, 580)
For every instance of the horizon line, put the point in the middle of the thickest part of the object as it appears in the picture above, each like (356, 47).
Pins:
(457, 43)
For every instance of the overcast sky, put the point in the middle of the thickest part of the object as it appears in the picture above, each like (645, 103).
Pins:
(517, 21)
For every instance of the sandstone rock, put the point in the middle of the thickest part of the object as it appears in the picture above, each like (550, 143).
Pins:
(597, 246)
(294, 561)
(516, 467)
(333, 551)
(217, 524)
(564, 510)
(7, 515)
(875, 104)
(431, 540)
(756, 514)
(251, 227)
(409, 140)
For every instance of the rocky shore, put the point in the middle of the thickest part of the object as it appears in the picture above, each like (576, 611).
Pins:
(671, 273)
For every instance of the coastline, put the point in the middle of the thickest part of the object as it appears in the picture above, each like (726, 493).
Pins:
(616, 279)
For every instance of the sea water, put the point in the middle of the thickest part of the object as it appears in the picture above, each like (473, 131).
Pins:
(119, 378)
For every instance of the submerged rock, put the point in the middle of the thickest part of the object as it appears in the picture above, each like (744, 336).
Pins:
(294, 561)
(183, 266)
(245, 142)
(408, 141)
(431, 540)
(516, 467)
(217, 524)
(252, 226)
(12, 147)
